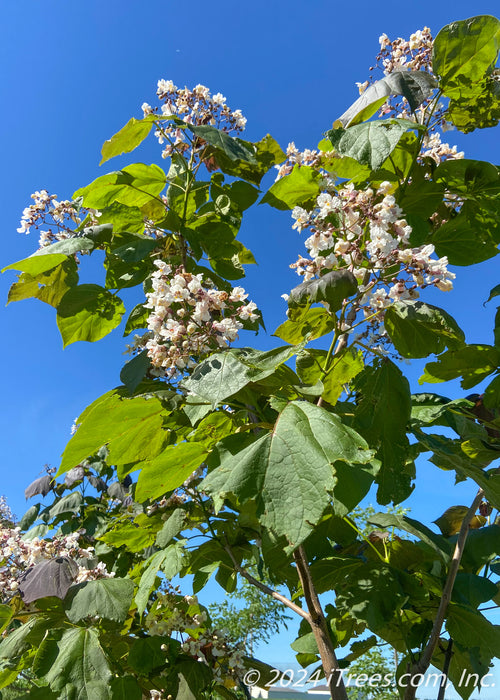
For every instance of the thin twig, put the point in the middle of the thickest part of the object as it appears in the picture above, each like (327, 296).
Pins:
(446, 669)
(425, 660)
(266, 589)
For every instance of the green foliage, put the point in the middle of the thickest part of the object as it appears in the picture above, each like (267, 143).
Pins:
(306, 438)
(419, 330)
(370, 143)
(299, 187)
(464, 56)
(250, 465)
(415, 86)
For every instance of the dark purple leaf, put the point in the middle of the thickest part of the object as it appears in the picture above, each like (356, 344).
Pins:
(41, 485)
(74, 475)
(49, 578)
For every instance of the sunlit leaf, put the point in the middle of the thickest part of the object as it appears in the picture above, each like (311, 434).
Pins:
(88, 312)
(129, 137)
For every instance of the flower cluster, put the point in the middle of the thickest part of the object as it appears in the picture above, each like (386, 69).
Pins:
(364, 232)
(48, 211)
(296, 157)
(189, 319)
(434, 148)
(173, 613)
(414, 53)
(6, 515)
(197, 107)
(18, 554)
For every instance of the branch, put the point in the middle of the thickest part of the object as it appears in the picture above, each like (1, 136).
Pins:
(425, 660)
(266, 589)
(319, 627)
(446, 669)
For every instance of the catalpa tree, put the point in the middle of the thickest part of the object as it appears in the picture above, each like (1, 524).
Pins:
(215, 460)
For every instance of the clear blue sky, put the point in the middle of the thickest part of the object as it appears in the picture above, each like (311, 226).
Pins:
(74, 73)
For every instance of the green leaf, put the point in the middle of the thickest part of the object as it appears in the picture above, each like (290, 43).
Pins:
(36, 265)
(55, 283)
(146, 654)
(308, 440)
(171, 528)
(125, 688)
(153, 565)
(495, 292)
(80, 669)
(471, 629)
(19, 640)
(305, 324)
(131, 428)
(416, 86)
(217, 377)
(8, 676)
(67, 504)
(69, 246)
(472, 590)
(29, 517)
(267, 153)
(332, 288)
(372, 142)
(419, 330)
(464, 56)
(6, 614)
(123, 218)
(225, 373)
(466, 666)
(481, 547)
(138, 319)
(243, 194)
(480, 109)
(136, 249)
(464, 242)
(170, 561)
(299, 187)
(121, 275)
(464, 52)
(107, 598)
(134, 371)
(235, 149)
(475, 179)
(421, 197)
(492, 394)
(343, 369)
(133, 186)
(342, 166)
(169, 470)
(193, 679)
(129, 534)
(383, 411)
(49, 286)
(88, 312)
(129, 137)
(374, 595)
(438, 543)
(472, 363)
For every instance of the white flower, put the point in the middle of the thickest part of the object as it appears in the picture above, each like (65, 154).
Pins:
(219, 99)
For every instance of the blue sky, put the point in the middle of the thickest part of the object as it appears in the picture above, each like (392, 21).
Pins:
(74, 73)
